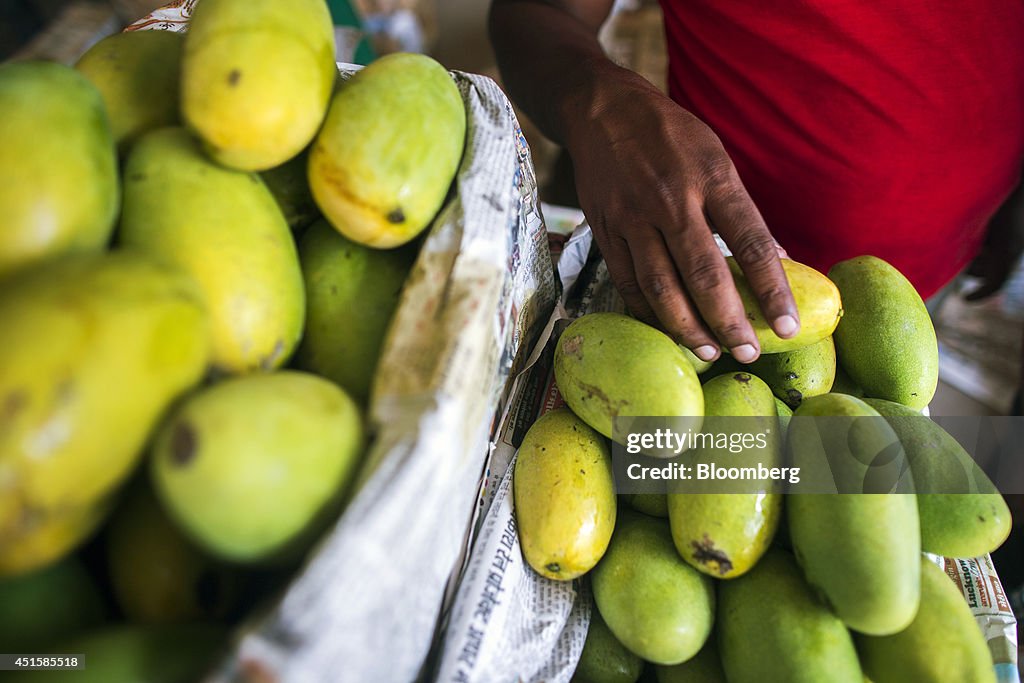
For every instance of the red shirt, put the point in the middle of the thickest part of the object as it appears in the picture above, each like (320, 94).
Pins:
(886, 128)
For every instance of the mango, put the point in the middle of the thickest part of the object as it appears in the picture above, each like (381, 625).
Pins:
(130, 654)
(138, 74)
(95, 349)
(943, 643)
(784, 413)
(725, 534)
(886, 341)
(389, 148)
(699, 366)
(705, 667)
(44, 537)
(44, 606)
(844, 385)
(58, 165)
(609, 365)
(290, 188)
(772, 629)
(157, 574)
(799, 374)
(256, 78)
(653, 504)
(861, 552)
(224, 229)
(817, 301)
(843, 445)
(962, 513)
(252, 466)
(605, 659)
(351, 293)
(655, 604)
(564, 496)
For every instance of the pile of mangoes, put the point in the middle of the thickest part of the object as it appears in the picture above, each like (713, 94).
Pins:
(763, 586)
(203, 239)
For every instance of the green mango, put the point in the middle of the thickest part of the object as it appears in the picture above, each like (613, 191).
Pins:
(381, 166)
(817, 301)
(605, 659)
(290, 188)
(609, 365)
(772, 629)
(136, 654)
(58, 165)
(885, 341)
(943, 643)
(844, 385)
(861, 551)
(96, 347)
(157, 574)
(799, 374)
(223, 228)
(699, 366)
(253, 466)
(40, 608)
(654, 603)
(705, 667)
(256, 78)
(137, 73)
(843, 445)
(653, 504)
(725, 534)
(785, 413)
(962, 513)
(351, 293)
(564, 496)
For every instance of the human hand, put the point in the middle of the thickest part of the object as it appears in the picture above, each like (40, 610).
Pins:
(654, 183)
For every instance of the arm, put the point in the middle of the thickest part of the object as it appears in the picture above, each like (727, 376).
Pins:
(652, 179)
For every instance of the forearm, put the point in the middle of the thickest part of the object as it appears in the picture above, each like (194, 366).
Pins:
(552, 64)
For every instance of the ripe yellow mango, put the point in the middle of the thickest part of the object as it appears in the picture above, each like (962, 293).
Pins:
(381, 165)
(256, 78)
(138, 75)
(224, 229)
(817, 301)
(725, 534)
(58, 165)
(95, 349)
(609, 365)
(564, 496)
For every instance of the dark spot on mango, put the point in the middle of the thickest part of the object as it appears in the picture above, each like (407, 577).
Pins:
(583, 471)
(794, 397)
(705, 552)
(790, 376)
(396, 215)
(553, 567)
(573, 346)
(981, 519)
(184, 444)
(741, 377)
(14, 403)
(234, 77)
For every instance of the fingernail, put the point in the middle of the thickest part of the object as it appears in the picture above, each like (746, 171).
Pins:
(785, 326)
(744, 353)
(706, 352)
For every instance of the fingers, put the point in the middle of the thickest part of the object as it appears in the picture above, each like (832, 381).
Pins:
(618, 258)
(733, 213)
(710, 285)
(658, 280)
